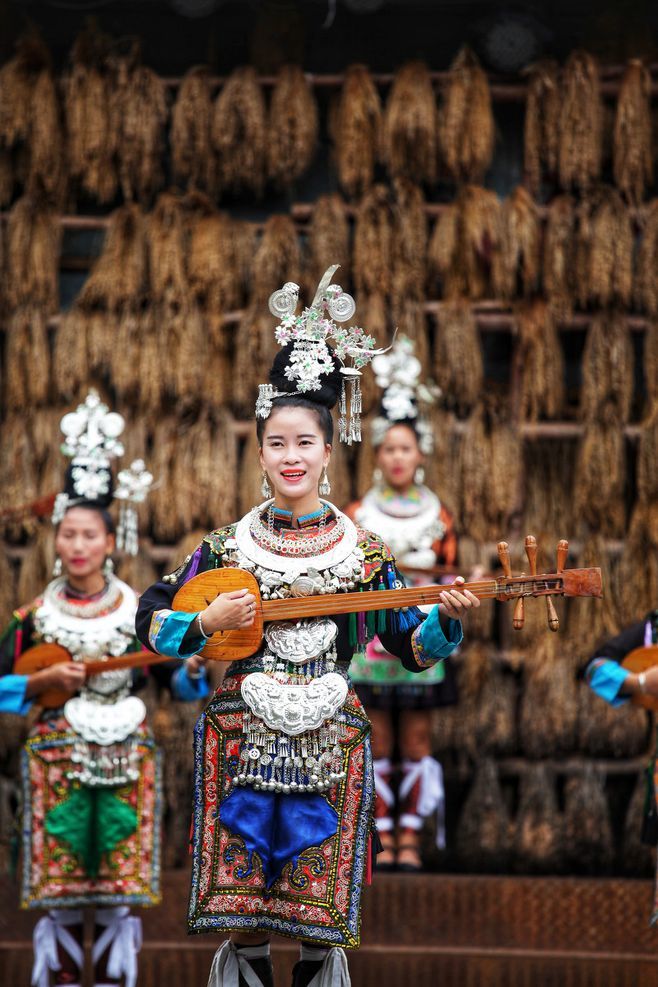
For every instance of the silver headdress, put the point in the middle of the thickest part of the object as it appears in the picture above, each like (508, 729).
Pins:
(398, 372)
(91, 439)
(311, 357)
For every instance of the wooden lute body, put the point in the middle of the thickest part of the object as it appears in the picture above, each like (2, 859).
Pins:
(232, 645)
(44, 655)
(641, 660)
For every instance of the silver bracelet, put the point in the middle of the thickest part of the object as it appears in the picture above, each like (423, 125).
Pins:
(194, 675)
(642, 682)
(206, 637)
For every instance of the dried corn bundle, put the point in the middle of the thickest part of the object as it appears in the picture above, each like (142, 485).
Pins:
(484, 829)
(32, 261)
(609, 731)
(292, 127)
(607, 370)
(118, 277)
(442, 255)
(88, 88)
(489, 467)
(637, 585)
(587, 830)
(239, 130)
(589, 621)
(192, 154)
(519, 266)
(328, 241)
(540, 363)
(70, 367)
(637, 858)
(410, 125)
(27, 360)
(250, 475)
(458, 362)
(600, 478)
(581, 123)
(559, 255)
(355, 127)
(374, 233)
(139, 108)
(466, 123)
(542, 115)
(200, 500)
(646, 283)
(37, 564)
(212, 262)
(538, 844)
(481, 240)
(604, 250)
(30, 120)
(549, 707)
(632, 144)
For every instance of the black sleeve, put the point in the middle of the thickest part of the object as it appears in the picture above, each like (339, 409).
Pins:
(616, 648)
(160, 596)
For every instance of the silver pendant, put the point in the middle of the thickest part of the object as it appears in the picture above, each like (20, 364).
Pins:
(301, 642)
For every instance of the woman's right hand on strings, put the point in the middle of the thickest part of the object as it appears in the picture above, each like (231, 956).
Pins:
(229, 612)
(66, 675)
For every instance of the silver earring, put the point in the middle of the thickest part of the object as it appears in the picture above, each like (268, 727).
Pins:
(57, 568)
(324, 488)
(265, 489)
(108, 567)
(377, 477)
(419, 476)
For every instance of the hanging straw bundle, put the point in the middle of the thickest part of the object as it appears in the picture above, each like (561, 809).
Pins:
(538, 845)
(30, 121)
(559, 255)
(46, 436)
(600, 478)
(609, 731)
(646, 283)
(292, 128)
(484, 830)
(541, 130)
(8, 596)
(647, 456)
(327, 241)
(212, 256)
(37, 564)
(139, 109)
(548, 466)
(581, 123)
(408, 275)
(587, 831)
(540, 363)
(33, 246)
(239, 129)
(638, 858)
(192, 155)
(166, 247)
(458, 361)
(481, 240)
(442, 256)
(495, 711)
(410, 126)
(355, 128)
(637, 584)
(374, 233)
(589, 622)
(17, 471)
(276, 260)
(165, 522)
(27, 360)
(138, 571)
(549, 705)
(205, 449)
(632, 142)
(466, 123)
(70, 371)
(250, 475)
(88, 88)
(607, 370)
(520, 259)
(606, 250)
(489, 468)
(118, 277)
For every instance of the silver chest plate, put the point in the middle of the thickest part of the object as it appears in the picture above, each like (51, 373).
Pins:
(294, 709)
(301, 641)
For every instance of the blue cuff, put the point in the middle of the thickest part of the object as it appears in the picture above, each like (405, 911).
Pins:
(12, 694)
(606, 679)
(167, 630)
(429, 642)
(188, 690)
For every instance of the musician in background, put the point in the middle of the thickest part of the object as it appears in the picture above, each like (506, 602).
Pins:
(91, 775)
(420, 532)
(284, 788)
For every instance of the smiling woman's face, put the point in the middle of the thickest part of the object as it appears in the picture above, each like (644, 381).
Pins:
(294, 454)
(398, 457)
(83, 542)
